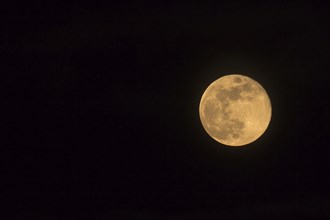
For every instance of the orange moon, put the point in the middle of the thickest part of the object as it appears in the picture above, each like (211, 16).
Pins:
(235, 110)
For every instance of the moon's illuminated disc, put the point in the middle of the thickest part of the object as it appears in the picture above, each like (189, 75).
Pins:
(235, 110)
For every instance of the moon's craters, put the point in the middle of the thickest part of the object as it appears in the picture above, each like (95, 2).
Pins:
(247, 87)
(230, 129)
(235, 93)
(228, 104)
(219, 114)
(210, 110)
(237, 80)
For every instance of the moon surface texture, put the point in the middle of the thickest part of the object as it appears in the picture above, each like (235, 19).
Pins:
(235, 110)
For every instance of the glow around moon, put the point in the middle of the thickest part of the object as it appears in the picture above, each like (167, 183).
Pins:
(235, 110)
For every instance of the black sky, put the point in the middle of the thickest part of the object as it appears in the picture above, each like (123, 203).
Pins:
(100, 106)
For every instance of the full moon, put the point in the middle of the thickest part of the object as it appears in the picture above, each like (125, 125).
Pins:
(235, 110)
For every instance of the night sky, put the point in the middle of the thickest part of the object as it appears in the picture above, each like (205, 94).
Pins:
(100, 110)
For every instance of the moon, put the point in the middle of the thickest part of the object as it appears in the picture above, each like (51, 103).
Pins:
(235, 110)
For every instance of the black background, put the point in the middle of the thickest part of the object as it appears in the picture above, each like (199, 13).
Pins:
(101, 121)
